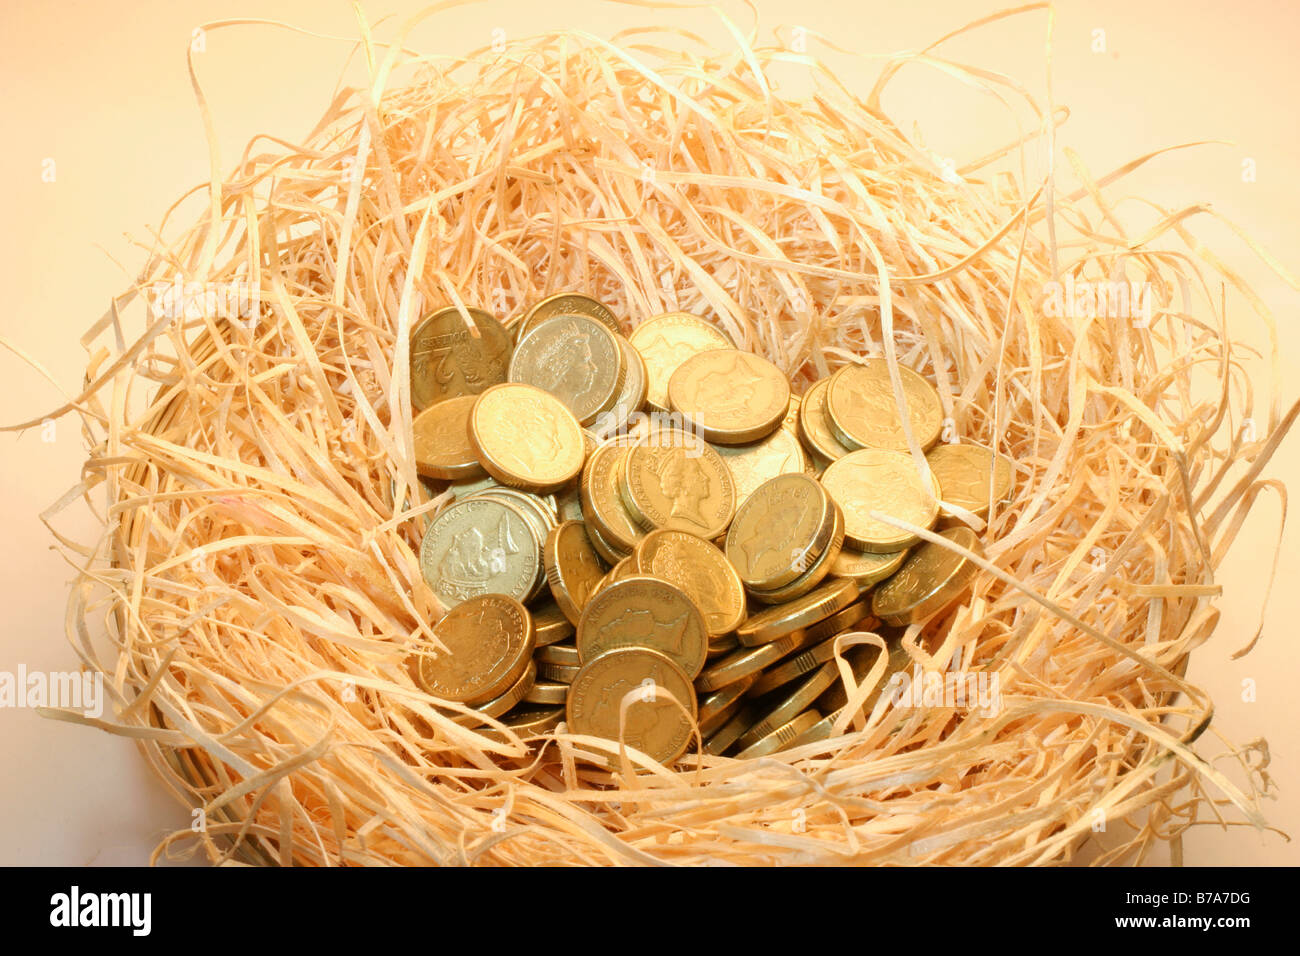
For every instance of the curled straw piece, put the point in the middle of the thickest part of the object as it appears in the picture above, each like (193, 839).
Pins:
(261, 592)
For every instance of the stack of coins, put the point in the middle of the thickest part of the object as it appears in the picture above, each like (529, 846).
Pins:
(650, 535)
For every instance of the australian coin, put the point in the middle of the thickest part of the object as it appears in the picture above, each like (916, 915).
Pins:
(480, 546)
(816, 572)
(645, 612)
(561, 673)
(791, 701)
(514, 694)
(547, 692)
(815, 654)
(675, 480)
(558, 654)
(447, 359)
(866, 568)
(550, 625)
(745, 661)
(784, 619)
(780, 738)
(862, 412)
(652, 722)
(887, 482)
(722, 739)
(631, 399)
(526, 438)
(528, 721)
(778, 533)
(487, 641)
(970, 476)
(574, 358)
(666, 341)
(566, 303)
(715, 709)
(573, 568)
(442, 445)
(750, 465)
(608, 520)
(731, 397)
(701, 571)
(814, 428)
(928, 581)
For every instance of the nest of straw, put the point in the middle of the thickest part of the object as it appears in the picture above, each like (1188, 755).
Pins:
(257, 577)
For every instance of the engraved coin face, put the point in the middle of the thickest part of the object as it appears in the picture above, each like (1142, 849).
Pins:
(442, 445)
(970, 476)
(780, 531)
(701, 571)
(574, 358)
(526, 438)
(861, 410)
(573, 568)
(928, 581)
(730, 396)
(815, 428)
(750, 465)
(488, 641)
(479, 546)
(675, 480)
(886, 482)
(645, 612)
(666, 341)
(566, 303)
(653, 724)
(447, 359)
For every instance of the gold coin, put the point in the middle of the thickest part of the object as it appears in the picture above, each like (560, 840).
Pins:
(814, 428)
(666, 341)
(526, 438)
(861, 660)
(674, 480)
(750, 465)
(931, 579)
(562, 673)
(866, 568)
(608, 521)
(566, 303)
(487, 641)
(653, 724)
(545, 692)
(573, 568)
(782, 738)
(780, 531)
(820, 649)
(722, 739)
(793, 700)
(816, 572)
(550, 625)
(970, 476)
(885, 481)
(442, 445)
(480, 546)
(448, 360)
(822, 730)
(539, 517)
(862, 413)
(558, 654)
(730, 397)
(701, 571)
(514, 694)
(631, 399)
(745, 661)
(574, 358)
(716, 709)
(782, 620)
(645, 612)
(471, 486)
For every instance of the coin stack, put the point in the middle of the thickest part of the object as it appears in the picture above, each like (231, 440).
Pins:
(650, 535)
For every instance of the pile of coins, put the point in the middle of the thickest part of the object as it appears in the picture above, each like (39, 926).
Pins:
(650, 534)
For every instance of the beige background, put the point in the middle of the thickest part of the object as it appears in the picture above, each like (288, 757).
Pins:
(101, 89)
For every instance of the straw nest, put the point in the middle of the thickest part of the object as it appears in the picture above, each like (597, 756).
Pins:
(260, 589)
